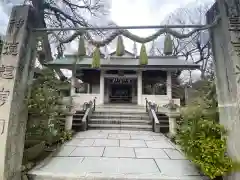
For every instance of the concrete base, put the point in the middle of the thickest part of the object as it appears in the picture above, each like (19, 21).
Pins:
(157, 128)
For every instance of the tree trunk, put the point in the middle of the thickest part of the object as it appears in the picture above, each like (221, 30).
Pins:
(38, 5)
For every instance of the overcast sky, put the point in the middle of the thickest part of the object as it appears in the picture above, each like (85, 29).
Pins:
(124, 12)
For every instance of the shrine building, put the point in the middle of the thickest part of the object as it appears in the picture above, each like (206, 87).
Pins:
(122, 79)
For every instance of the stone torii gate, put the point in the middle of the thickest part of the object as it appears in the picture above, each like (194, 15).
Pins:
(16, 69)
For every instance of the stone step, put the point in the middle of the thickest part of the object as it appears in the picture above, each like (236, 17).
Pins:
(121, 110)
(132, 113)
(110, 106)
(164, 126)
(116, 116)
(121, 126)
(163, 120)
(119, 121)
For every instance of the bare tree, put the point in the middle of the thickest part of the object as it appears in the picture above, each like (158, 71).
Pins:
(67, 13)
(62, 14)
(197, 47)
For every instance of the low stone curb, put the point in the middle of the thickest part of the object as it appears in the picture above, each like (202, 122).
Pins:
(99, 176)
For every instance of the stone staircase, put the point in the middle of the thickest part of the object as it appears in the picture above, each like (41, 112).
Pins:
(164, 123)
(120, 116)
(77, 121)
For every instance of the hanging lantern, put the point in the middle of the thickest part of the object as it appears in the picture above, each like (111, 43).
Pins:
(143, 55)
(120, 47)
(168, 45)
(81, 47)
(96, 58)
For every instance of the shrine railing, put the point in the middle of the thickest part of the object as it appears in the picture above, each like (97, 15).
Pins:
(151, 109)
(89, 108)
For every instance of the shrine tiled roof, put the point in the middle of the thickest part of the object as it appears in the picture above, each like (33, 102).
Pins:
(155, 62)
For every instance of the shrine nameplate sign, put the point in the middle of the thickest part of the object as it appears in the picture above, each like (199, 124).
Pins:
(121, 81)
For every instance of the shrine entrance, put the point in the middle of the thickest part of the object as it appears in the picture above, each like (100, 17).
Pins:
(122, 90)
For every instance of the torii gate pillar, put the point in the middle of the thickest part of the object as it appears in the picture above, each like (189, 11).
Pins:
(225, 39)
(16, 66)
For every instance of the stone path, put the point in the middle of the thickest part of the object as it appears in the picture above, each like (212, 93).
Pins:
(116, 154)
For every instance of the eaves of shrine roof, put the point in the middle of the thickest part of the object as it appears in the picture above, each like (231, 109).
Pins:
(154, 63)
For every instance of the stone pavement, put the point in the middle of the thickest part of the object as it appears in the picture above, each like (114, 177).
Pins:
(116, 154)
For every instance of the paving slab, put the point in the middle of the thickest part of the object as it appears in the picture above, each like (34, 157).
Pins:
(66, 150)
(176, 168)
(141, 137)
(159, 138)
(150, 153)
(88, 151)
(106, 154)
(117, 166)
(174, 154)
(119, 152)
(99, 135)
(106, 142)
(80, 142)
(159, 144)
(63, 165)
(119, 136)
(111, 131)
(132, 143)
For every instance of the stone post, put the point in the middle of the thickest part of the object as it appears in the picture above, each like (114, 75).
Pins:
(102, 87)
(169, 85)
(73, 83)
(139, 86)
(69, 116)
(18, 54)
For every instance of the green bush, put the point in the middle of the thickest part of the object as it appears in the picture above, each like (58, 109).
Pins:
(66, 136)
(202, 139)
(44, 109)
(204, 143)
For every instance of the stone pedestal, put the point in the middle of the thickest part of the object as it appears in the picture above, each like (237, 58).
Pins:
(173, 122)
(69, 115)
(16, 66)
(68, 122)
(157, 128)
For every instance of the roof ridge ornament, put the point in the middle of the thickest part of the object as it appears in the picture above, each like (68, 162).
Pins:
(120, 46)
